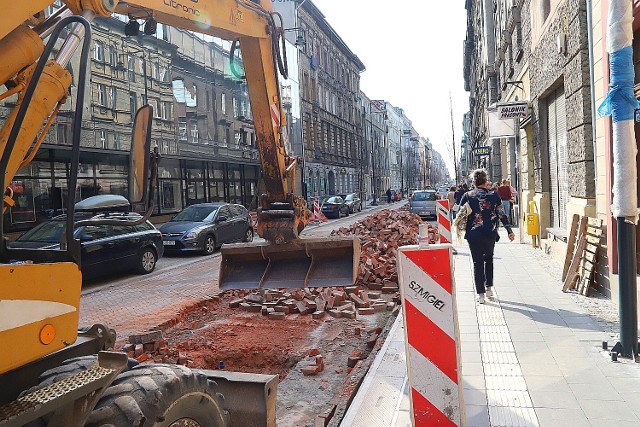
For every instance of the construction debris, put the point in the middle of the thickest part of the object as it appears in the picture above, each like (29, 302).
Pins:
(318, 302)
(381, 234)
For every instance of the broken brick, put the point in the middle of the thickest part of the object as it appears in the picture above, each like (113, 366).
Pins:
(311, 370)
(276, 316)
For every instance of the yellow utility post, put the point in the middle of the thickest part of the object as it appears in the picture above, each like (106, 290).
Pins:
(533, 223)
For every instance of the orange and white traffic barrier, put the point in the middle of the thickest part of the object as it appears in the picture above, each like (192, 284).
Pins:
(444, 220)
(432, 335)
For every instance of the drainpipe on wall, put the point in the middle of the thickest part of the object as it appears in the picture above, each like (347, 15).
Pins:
(593, 91)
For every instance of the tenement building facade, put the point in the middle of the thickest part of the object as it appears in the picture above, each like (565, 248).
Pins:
(535, 51)
(202, 125)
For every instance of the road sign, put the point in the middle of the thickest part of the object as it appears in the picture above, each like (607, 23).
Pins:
(431, 326)
(513, 110)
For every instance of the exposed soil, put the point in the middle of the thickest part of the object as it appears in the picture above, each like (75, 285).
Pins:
(210, 333)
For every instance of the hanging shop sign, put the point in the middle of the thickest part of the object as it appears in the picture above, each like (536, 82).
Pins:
(513, 110)
(481, 151)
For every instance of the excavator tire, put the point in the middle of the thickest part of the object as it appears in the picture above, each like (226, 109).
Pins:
(68, 368)
(160, 396)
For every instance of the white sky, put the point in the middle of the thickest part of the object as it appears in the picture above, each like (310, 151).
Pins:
(412, 50)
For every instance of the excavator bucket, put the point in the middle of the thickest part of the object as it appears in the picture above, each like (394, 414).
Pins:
(299, 264)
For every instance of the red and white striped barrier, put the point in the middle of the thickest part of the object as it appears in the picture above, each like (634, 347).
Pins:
(432, 335)
(444, 220)
(317, 213)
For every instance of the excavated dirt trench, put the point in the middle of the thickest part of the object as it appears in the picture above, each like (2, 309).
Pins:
(210, 333)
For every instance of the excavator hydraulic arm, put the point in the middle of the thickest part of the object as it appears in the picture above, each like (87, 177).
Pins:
(282, 213)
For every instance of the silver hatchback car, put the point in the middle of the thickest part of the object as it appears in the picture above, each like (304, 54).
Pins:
(423, 203)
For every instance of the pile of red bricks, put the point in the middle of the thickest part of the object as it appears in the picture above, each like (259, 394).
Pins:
(318, 302)
(381, 235)
(142, 346)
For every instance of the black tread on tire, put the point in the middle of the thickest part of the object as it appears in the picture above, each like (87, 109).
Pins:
(68, 368)
(159, 396)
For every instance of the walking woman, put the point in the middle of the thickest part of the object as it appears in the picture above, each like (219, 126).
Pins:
(482, 230)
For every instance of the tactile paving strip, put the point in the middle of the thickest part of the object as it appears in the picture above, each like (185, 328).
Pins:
(509, 401)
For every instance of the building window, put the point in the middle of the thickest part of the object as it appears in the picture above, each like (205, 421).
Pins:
(223, 103)
(165, 110)
(113, 97)
(234, 102)
(131, 69)
(102, 95)
(182, 130)
(156, 71)
(103, 139)
(98, 52)
(62, 134)
(116, 141)
(236, 138)
(194, 131)
(133, 104)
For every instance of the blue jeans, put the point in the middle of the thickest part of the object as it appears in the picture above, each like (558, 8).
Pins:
(506, 204)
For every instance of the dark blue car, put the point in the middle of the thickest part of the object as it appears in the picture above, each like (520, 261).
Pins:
(105, 248)
(206, 226)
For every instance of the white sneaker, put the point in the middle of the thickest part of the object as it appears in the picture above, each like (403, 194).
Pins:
(490, 292)
(481, 298)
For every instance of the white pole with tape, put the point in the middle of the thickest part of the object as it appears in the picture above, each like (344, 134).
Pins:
(432, 335)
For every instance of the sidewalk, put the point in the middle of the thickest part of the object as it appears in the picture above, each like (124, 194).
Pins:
(531, 357)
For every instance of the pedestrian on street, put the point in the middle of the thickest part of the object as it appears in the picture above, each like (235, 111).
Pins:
(482, 231)
(504, 191)
(451, 195)
(461, 191)
(389, 195)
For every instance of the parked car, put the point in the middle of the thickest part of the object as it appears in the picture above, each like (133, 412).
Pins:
(206, 226)
(423, 203)
(335, 207)
(105, 248)
(353, 201)
(442, 193)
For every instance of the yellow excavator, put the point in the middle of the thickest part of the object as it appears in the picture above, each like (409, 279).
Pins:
(51, 372)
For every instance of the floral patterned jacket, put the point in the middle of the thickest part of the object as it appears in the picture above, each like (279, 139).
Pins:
(486, 211)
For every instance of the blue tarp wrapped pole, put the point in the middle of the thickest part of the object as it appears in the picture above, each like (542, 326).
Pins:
(621, 105)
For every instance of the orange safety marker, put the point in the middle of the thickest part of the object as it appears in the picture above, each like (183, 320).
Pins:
(432, 335)
(444, 220)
